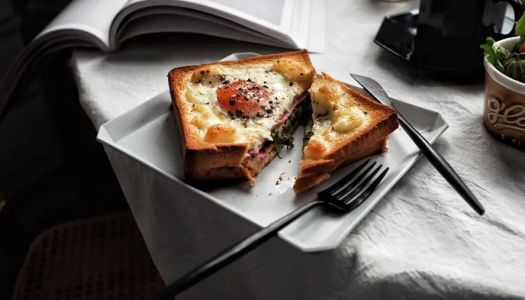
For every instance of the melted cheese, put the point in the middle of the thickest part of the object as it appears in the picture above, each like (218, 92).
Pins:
(205, 113)
(347, 119)
(325, 96)
(293, 70)
(220, 133)
(336, 116)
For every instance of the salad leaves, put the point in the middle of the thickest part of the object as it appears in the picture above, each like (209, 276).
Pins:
(496, 55)
(511, 63)
(281, 139)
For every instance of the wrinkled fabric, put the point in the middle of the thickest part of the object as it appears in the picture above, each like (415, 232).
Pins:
(421, 242)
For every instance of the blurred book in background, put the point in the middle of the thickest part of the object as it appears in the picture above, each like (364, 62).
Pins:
(104, 24)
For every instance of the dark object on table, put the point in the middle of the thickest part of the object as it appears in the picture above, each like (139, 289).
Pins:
(377, 91)
(444, 36)
(97, 258)
(343, 196)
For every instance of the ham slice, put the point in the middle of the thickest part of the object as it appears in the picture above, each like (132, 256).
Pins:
(266, 148)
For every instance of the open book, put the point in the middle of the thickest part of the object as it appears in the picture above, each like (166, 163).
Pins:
(105, 24)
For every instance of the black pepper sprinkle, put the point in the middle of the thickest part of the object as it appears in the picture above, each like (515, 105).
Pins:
(265, 86)
(249, 80)
(226, 82)
(291, 83)
(202, 72)
(302, 74)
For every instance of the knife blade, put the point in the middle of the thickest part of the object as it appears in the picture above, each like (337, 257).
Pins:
(437, 160)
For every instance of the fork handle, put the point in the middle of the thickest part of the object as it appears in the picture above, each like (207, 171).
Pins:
(441, 165)
(235, 251)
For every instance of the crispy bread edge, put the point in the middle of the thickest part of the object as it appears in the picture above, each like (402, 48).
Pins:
(216, 162)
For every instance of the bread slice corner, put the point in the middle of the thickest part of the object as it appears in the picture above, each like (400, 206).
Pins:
(347, 125)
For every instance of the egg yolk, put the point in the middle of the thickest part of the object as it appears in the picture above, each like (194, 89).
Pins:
(243, 98)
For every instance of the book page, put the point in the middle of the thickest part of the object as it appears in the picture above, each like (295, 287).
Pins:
(267, 10)
(293, 22)
(308, 24)
(250, 16)
(166, 23)
(91, 16)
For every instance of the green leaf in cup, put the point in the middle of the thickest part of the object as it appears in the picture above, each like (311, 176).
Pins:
(510, 63)
(495, 55)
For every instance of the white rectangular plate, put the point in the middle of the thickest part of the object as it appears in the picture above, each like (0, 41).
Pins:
(149, 135)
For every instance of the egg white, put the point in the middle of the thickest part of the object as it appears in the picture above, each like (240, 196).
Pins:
(203, 105)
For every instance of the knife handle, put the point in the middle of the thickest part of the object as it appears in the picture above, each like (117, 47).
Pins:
(441, 165)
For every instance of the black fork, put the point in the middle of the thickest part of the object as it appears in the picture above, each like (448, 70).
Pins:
(345, 195)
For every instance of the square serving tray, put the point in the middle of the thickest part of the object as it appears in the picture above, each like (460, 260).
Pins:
(149, 135)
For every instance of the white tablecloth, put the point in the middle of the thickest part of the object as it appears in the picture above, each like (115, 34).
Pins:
(421, 242)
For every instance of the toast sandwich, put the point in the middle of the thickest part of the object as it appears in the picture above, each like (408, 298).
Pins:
(346, 126)
(234, 116)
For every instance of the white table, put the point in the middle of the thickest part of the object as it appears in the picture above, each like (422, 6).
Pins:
(421, 242)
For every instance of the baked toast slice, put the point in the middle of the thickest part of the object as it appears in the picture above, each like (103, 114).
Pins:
(234, 116)
(346, 126)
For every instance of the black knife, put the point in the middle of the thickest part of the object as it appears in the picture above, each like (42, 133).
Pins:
(377, 91)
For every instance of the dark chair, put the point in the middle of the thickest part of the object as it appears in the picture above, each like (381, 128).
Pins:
(97, 258)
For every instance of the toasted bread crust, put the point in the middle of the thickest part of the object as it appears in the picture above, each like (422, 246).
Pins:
(368, 141)
(206, 161)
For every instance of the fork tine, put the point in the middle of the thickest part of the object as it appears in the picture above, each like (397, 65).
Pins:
(359, 186)
(346, 181)
(360, 197)
(354, 182)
